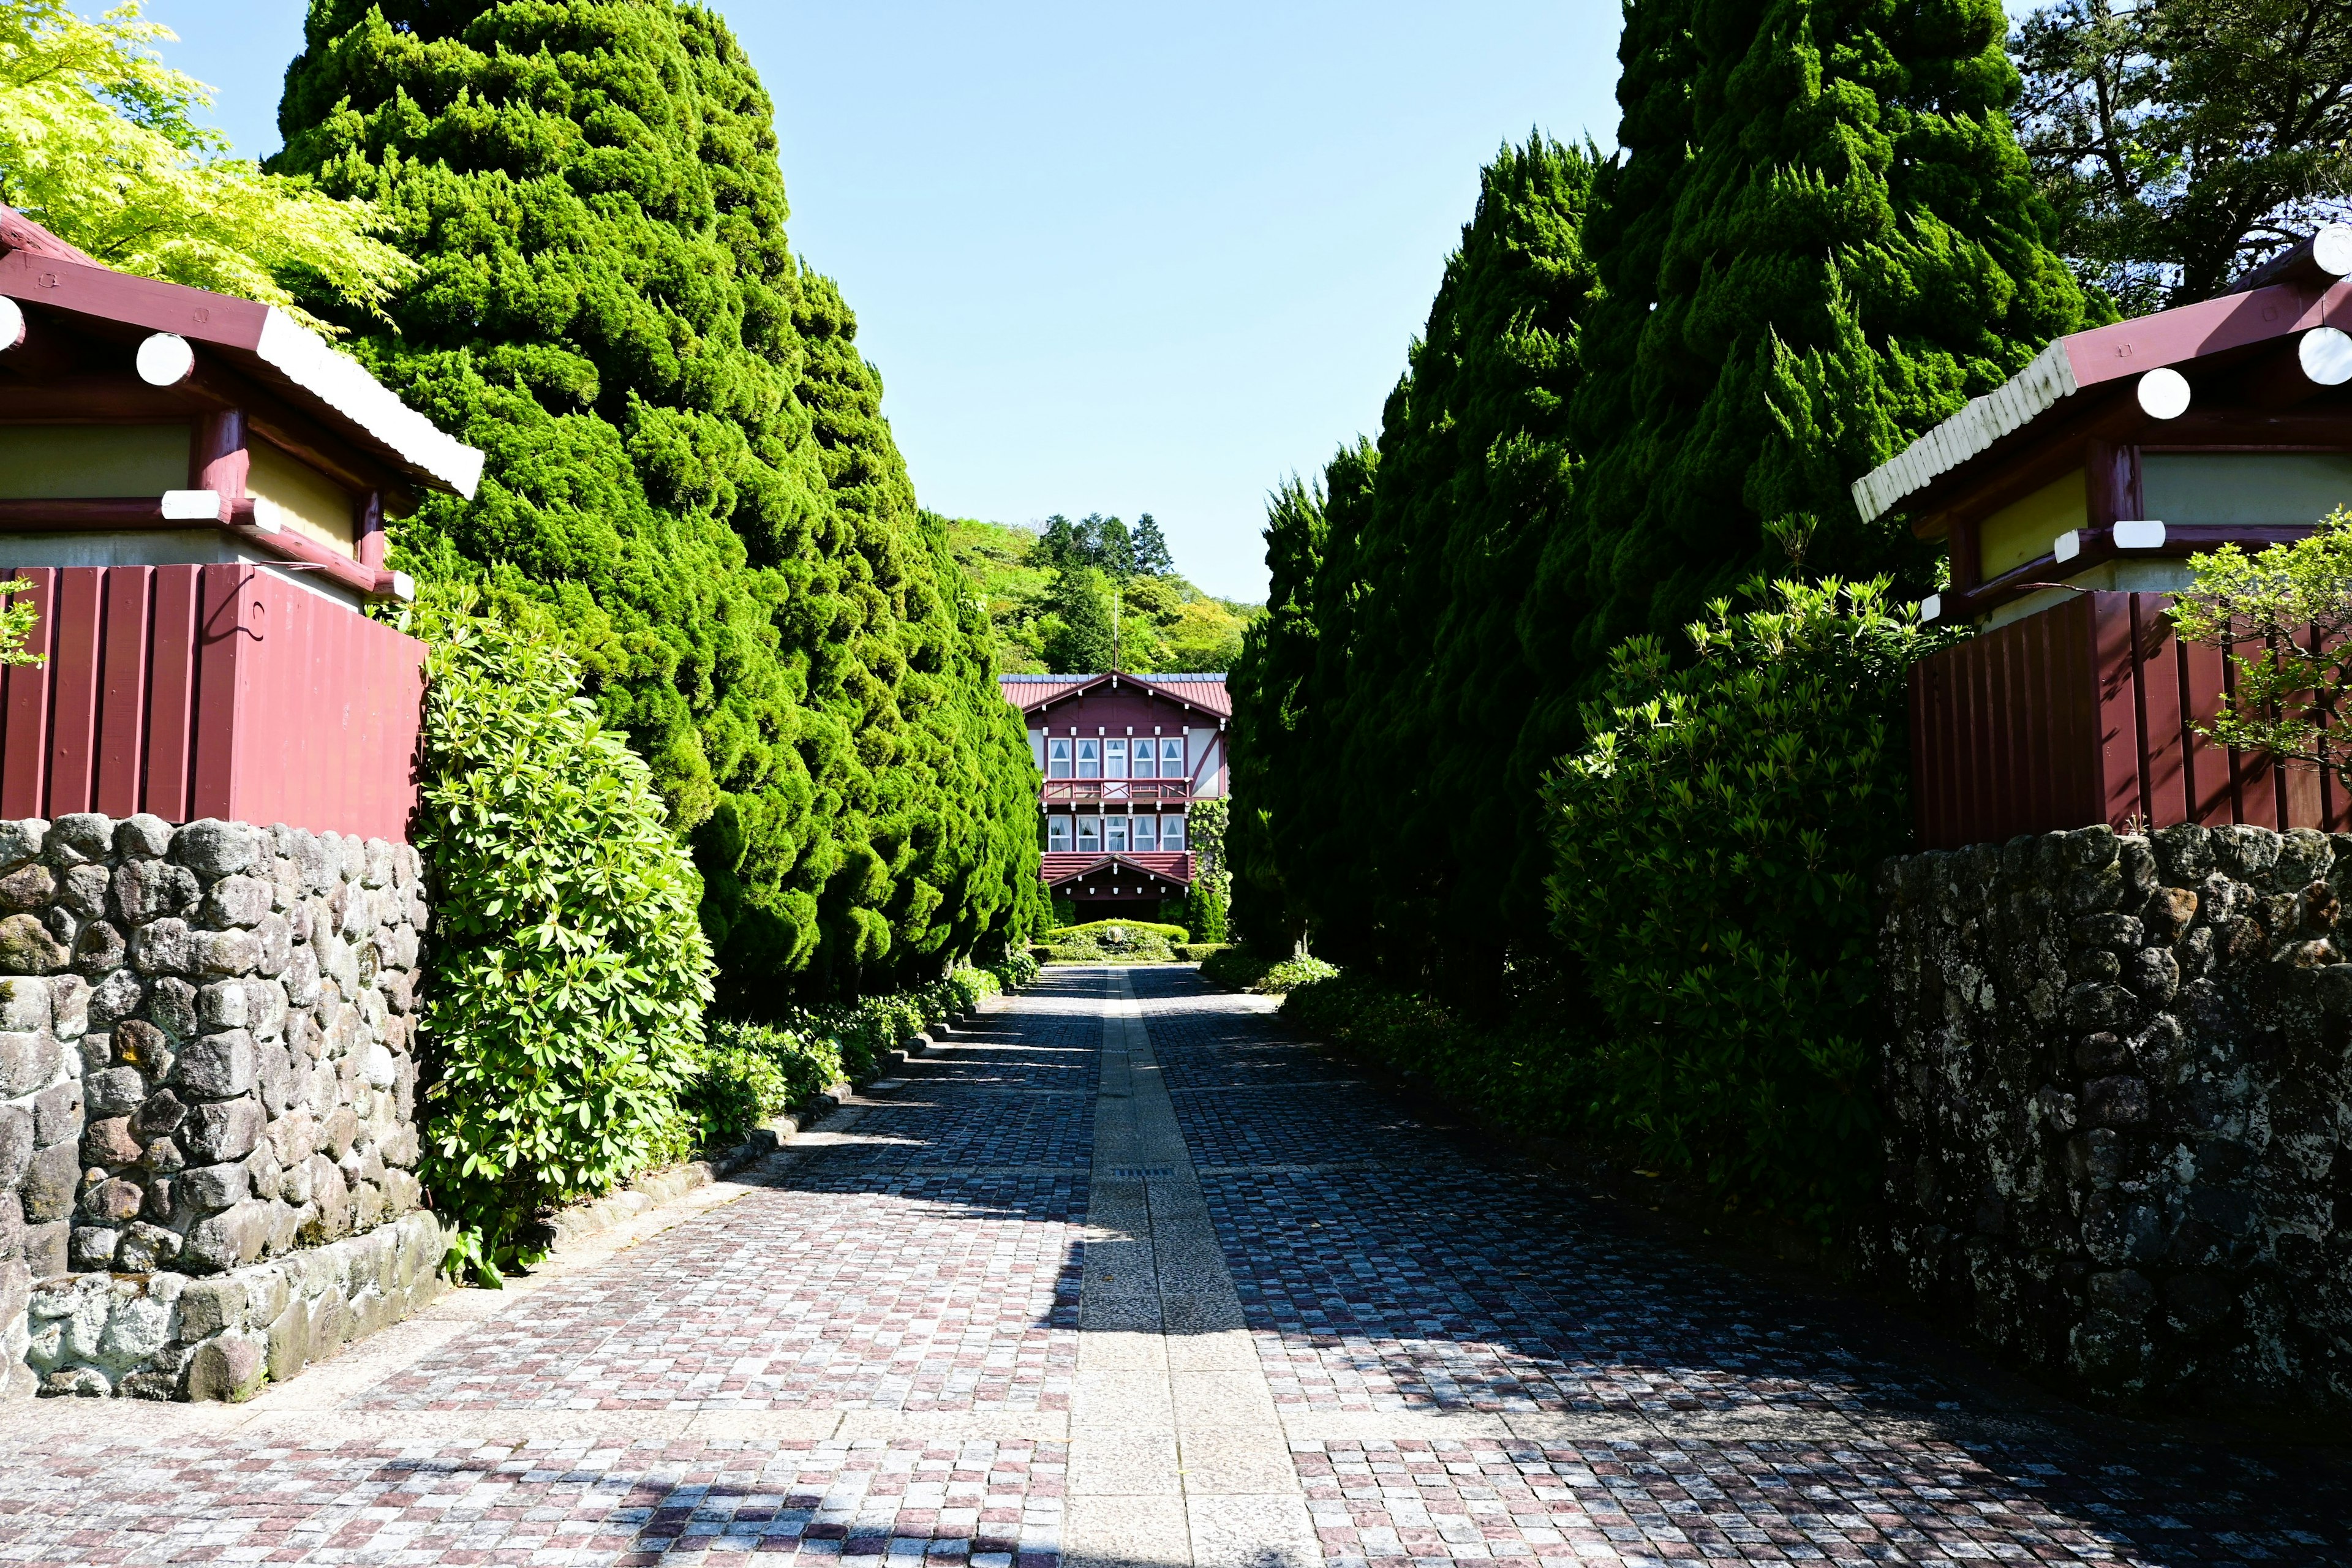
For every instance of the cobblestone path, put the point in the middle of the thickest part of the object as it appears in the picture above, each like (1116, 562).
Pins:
(1123, 1275)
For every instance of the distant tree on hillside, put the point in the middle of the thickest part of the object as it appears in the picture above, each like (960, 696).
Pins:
(1152, 557)
(2184, 142)
(1079, 643)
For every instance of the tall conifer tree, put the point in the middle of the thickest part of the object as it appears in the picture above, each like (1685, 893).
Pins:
(690, 476)
(1843, 247)
(1434, 715)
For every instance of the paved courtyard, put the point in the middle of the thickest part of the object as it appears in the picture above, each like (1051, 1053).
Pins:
(1124, 1276)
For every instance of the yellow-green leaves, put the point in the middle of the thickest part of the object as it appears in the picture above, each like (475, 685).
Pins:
(98, 142)
(2283, 616)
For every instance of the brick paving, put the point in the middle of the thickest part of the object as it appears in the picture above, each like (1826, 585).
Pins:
(926, 1276)
(988, 1504)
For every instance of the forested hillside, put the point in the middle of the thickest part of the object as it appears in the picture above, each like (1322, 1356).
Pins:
(691, 482)
(1050, 594)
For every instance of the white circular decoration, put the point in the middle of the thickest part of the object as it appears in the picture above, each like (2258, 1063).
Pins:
(12, 324)
(2326, 355)
(165, 359)
(2164, 393)
(2331, 247)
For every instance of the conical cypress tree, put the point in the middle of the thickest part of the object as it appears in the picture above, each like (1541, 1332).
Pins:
(688, 475)
(1845, 248)
(1434, 714)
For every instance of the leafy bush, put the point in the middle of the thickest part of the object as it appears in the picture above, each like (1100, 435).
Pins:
(1525, 1074)
(1197, 951)
(1119, 930)
(2282, 616)
(1716, 840)
(1018, 969)
(568, 972)
(1243, 970)
(750, 1072)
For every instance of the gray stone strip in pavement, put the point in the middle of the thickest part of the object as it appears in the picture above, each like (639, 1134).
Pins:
(1177, 1453)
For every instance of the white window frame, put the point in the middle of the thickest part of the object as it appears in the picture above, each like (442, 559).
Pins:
(1114, 758)
(1089, 759)
(1146, 827)
(1057, 834)
(1171, 756)
(1057, 757)
(1175, 824)
(1089, 842)
(1115, 834)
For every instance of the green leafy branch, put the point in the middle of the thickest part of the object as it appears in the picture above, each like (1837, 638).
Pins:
(2283, 616)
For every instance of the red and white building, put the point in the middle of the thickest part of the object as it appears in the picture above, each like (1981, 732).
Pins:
(1124, 759)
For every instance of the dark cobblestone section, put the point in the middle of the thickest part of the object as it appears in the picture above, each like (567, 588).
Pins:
(2118, 1109)
(1385, 1265)
(204, 1063)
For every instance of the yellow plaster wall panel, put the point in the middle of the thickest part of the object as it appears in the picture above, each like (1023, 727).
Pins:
(69, 462)
(298, 499)
(2021, 531)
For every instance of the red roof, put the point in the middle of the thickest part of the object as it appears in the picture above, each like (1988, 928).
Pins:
(1028, 692)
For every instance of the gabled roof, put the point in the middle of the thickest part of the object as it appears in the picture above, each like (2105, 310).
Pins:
(1113, 862)
(261, 341)
(2292, 295)
(1032, 692)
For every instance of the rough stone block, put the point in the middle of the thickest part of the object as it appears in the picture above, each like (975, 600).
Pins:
(171, 1008)
(213, 848)
(228, 1367)
(57, 1113)
(114, 1091)
(24, 1005)
(159, 1116)
(2117, 1101)
(83, 890)
(164, 946)
(208, 1189)
(145, 1247)
(232, 952)
(218, 1066)
(68, 1007)
(224, 1130)
(27, 1062)
(109, 1142)
(45, 1246)
(93, 1246)
(27, 948)
(51, 1181)
(145, 834)
(16, 1145)
(144, 891)
(224, 1240)
(21, 841)
(240, 901)
(28, 888)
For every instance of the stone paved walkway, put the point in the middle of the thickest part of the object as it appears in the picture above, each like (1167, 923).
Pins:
(1126, 1277)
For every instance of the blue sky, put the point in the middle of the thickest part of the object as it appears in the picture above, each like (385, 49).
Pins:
(1114, 258)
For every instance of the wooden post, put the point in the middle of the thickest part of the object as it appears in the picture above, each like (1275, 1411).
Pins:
(219, 461)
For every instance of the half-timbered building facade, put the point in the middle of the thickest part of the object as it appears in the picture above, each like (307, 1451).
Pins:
(1123, 760)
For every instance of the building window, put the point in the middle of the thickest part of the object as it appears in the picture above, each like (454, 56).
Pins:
(1091, 759)
(1114, 758)
(1090, 834)
(1057, 759)
(1057, 833)
(1115, 834)
(1172, 833)
(1146, 833)
(1171, 757)
(1147, 755)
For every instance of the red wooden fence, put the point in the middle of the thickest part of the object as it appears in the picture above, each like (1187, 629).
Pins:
(2083, 714)
(195, 691)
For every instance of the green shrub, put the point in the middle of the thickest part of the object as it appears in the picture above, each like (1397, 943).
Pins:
(750, 1072)
(568, 973)
(1197, 951)
(1099, 929)
(1523, 1074)
(1018, 969)
(1715, 841)
(1242, 970)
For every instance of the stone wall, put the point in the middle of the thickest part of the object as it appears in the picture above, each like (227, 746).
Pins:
(2116, 1088)
(204, 1063)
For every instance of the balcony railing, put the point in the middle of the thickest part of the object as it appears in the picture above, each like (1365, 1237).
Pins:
(1118, 789)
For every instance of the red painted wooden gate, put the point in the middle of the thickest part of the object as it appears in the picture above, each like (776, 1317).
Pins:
(219, 691)
(2084, 714)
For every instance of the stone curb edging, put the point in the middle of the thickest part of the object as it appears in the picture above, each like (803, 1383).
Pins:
(658, 1187)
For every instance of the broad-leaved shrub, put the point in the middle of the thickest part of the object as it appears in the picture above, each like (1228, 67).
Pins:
(1715, 841)
(568, 972)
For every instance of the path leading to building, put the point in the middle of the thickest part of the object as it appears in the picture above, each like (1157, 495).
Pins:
(1124, 1276)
